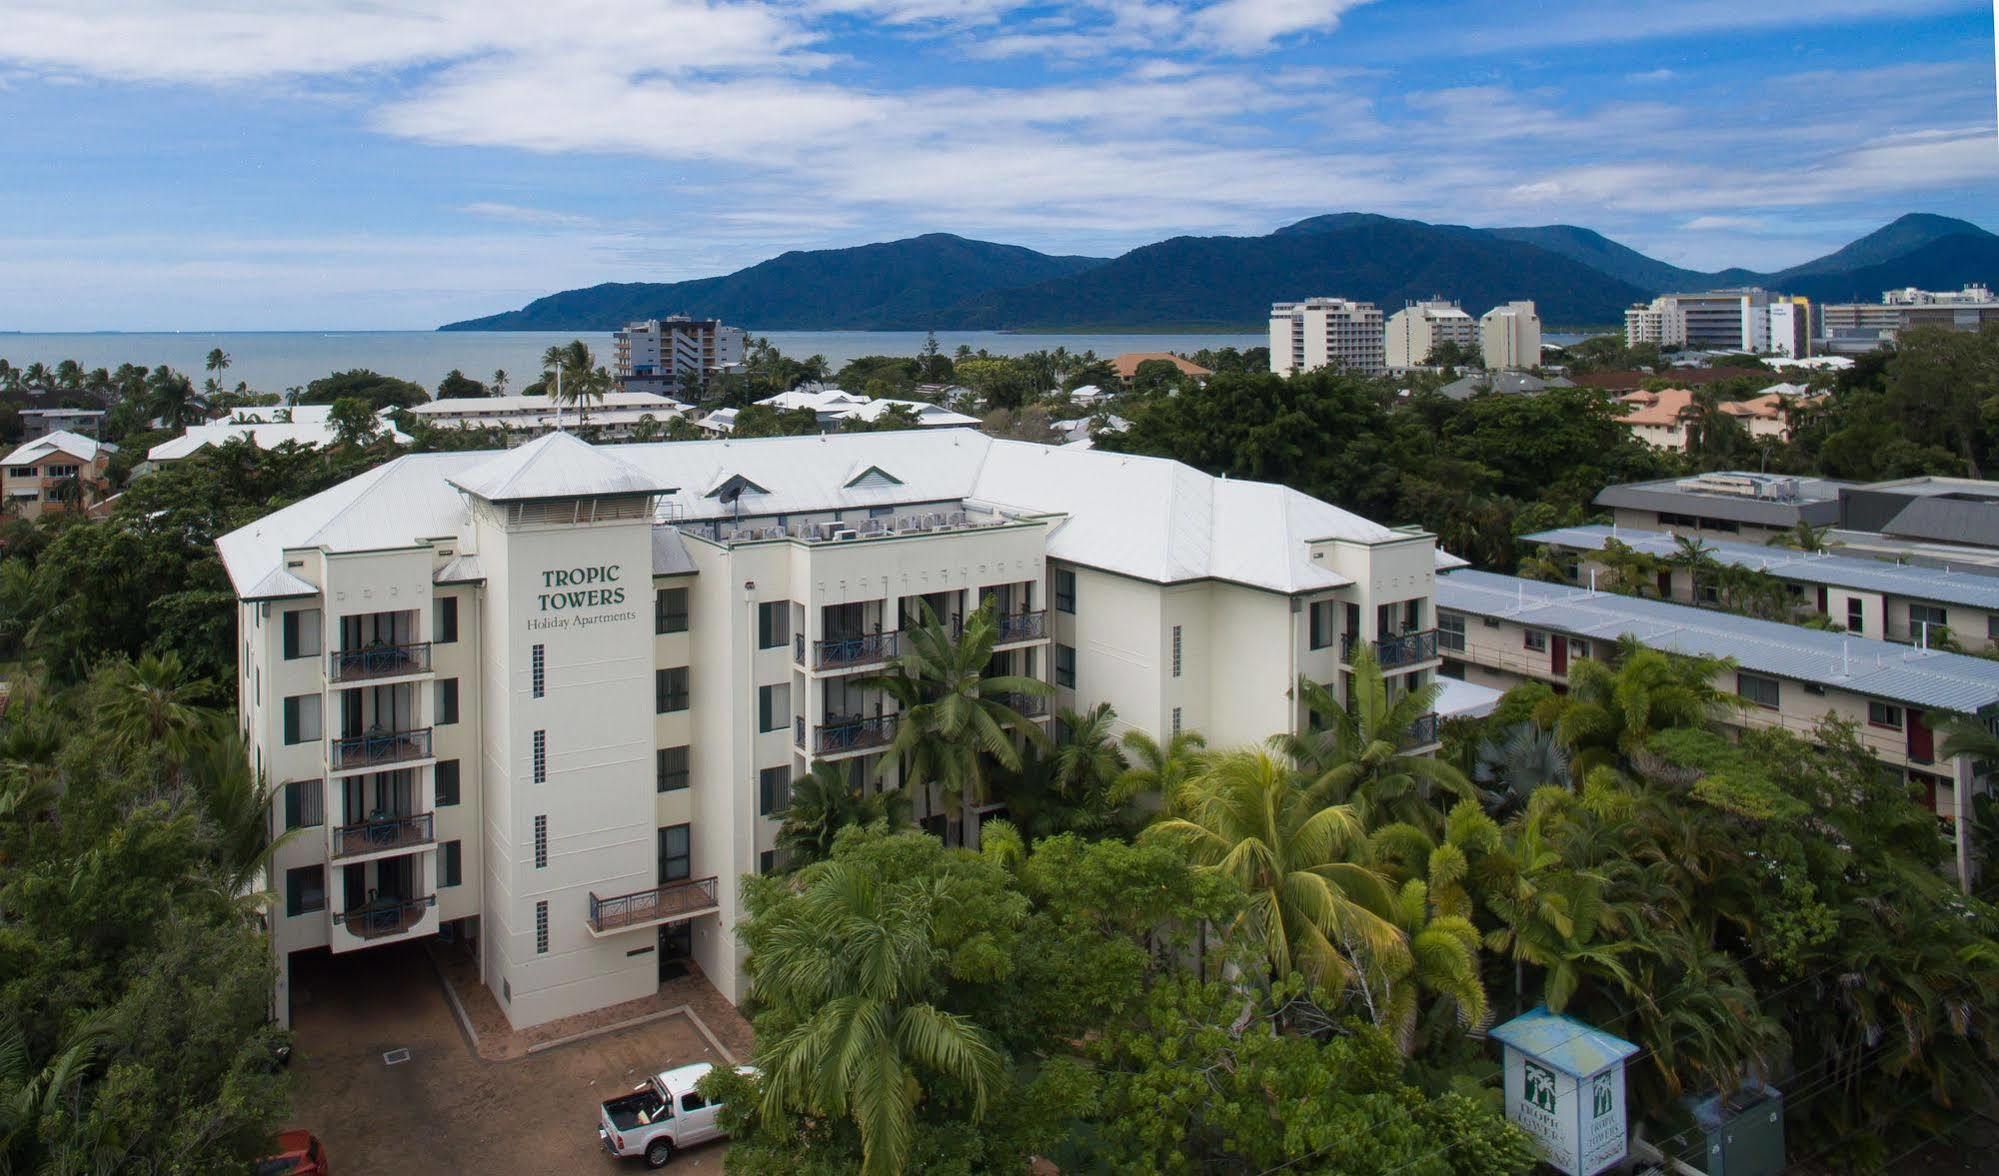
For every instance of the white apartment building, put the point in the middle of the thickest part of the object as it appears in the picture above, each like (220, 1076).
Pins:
(1419, 327)
(553, 698)
(1510, 336)
(660, 355)
(1725, 320)
(1326, 332)
(613, 415)
(1791, 326)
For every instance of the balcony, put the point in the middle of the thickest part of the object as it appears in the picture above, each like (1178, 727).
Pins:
(1031, 706)
(1020, 626)
(852, 734)
(385, 916)
(1390, 653)
(378, 748)
(379, 661)
(1421, 733)
(847, 652)
(382, 835)
(671, 903)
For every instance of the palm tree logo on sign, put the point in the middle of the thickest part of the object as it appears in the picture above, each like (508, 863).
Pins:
(1540, 1086)
(1603, 1099)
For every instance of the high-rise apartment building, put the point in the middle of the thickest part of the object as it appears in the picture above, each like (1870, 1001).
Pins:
(1510, 336)
(1721, 320)
(661, 356)
(1417, 329)
(553, 698)
(1791, 326)
(1326, 332)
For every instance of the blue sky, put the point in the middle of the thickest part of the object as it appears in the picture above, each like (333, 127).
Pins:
(196, 164)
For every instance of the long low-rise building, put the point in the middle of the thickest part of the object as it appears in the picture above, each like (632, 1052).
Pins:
(312, 432)
(1869, 597)
(554, 698)
(1503, 630)
(612, 415)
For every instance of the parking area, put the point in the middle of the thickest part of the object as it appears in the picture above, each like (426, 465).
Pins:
(445, 1110)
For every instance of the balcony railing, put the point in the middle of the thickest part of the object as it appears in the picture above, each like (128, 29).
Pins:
(868, 649)
(1032, 706)
(380, 747)
(385, 916)
(379, 661)
(661, 904)
(1390, 652)
(1021, 626)
(382, 833)
(853, 734)
(1421, 733)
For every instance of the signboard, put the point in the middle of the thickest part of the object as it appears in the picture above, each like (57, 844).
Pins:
(567, 592)
(1565, 1088)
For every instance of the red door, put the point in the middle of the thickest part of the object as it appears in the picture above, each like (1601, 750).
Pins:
(1558, 654)
(1922, 747)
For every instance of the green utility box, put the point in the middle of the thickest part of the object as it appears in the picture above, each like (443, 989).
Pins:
(1744, 1131)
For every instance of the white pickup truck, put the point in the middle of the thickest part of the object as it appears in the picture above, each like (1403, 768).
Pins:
(660, 1116)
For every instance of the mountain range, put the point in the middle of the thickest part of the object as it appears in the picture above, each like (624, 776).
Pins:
(1576, 276)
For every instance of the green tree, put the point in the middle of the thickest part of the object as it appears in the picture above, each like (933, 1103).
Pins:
(824, 802)
(376, 390)
(354, 422)
(1359, 753)
(457, 384)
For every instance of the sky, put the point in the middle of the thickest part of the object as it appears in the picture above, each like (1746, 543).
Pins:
(356, 164)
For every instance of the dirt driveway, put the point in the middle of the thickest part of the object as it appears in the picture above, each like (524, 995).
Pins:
(444, 1110)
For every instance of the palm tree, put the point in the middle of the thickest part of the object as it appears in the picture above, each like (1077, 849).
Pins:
(1513, 763)
(1804, 537)
(34, 1097)
(1315, 905)
(849, 962)
(1442, 961)
(217, 362)
(1087, 761)
(1357, 752)
(238, 803)
(1613, 709)
(499, 381)
(1553, 914)
(155, 702)
(1159, 769)
(69, 376)
(822, 803)
(953, 717)
(35, 377)
(1696, 557)
(171, 397)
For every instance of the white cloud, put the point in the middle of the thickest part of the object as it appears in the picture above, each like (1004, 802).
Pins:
(1251, 26)
(520, 215)
(1708, 224)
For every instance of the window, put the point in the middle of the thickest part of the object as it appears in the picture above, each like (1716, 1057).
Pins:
(1992, 626)
(1880, 714)
(1451, 632)
(1176, 651)
(305, 803)
(1925, 620)
(774, 707)
(541, 757)
(1065, 591)
(773, 624)
(767, 862)
(1855, 621)
(1323, 613)
(444, 620)
(669, 690)
(301, 633)
(541, 928)
(1176, 721)
(692, 1101)
(1534, 640)
(1757, 689)
(447, 701)
(305, 890)
(541, 841)
(669, 610)
(1065, 665)
(447, 783)
(302, 718)
(538, 671)
(676, 854)
(451, 866)
(773, 791)
(672, 768)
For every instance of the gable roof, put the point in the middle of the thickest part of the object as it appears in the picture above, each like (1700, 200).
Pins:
(61, 441)
(554, 466)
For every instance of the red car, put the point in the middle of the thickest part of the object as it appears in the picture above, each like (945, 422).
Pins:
(299, 1154)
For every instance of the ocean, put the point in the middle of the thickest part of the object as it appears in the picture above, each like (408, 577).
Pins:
(271, 361)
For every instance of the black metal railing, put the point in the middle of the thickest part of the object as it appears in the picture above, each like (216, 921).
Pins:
(657, 905)
(1031, 706)
(1401, 650)
(379, 661)
(382, 833)
(380, 747)
(385, 916)
(840, 652)
(853, 734)
(1421, 733)
(1021, 626)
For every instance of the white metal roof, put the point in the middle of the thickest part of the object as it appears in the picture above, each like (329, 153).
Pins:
(475, 407)
(1877, 669)
(1941, 585)
(1145, 517)
(310, 433)
(61, 441)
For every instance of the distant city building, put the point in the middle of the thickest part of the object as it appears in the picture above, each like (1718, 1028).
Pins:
(40, 422)
(1417, 329)
(614, 415)
(834, 407)
(1326, 332)
(1730, 320)
(661, 356)
(1510, 336)
(1791, 326)
(56, 473)
(1854, 327)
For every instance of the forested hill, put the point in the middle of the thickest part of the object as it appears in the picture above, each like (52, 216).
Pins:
(1575, 275)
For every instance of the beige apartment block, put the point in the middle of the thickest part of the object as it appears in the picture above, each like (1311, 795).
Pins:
(1416, 330)
(1326, 332)
(1510, 336)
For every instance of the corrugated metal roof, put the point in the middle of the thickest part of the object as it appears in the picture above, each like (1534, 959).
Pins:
(1830, 568)
(1878, 669)
(62, 440)
(1817, 502)
(465, 569)
(555, 466)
